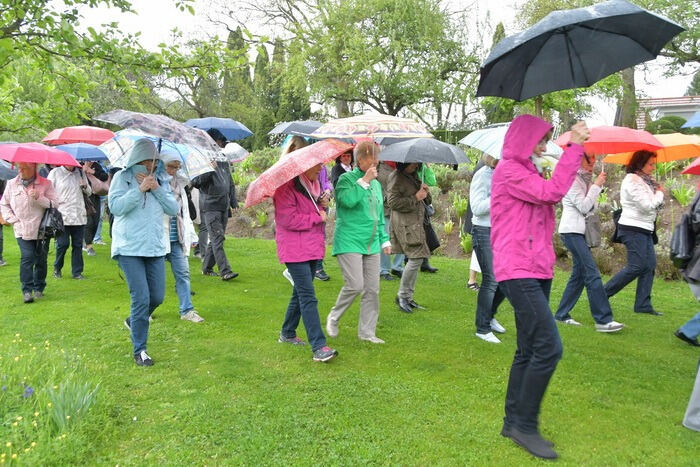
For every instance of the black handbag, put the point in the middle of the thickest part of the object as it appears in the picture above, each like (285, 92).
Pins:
(51, 224)
(616, 219)
(682, 242)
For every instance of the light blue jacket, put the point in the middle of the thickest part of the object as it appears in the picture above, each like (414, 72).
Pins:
(480, 196)
(138, 217)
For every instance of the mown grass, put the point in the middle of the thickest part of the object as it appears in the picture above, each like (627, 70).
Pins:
(225, 392)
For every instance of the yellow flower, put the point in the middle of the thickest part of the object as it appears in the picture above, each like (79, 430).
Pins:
(8, 444)
(55, 387)
(14, 424)
(49, 404)
(16, 359)
(14, 456)
(67, 417)
(19, 417)
(17, 335)
(36, 414)
(26, 449)
(34, 423)
(33, 443)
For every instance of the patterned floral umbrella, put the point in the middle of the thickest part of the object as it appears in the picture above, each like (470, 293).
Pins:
(372, 126)
(166, 128)
(291, 165)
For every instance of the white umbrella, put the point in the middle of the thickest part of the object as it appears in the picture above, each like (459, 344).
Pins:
(235, 152)
(490, 140)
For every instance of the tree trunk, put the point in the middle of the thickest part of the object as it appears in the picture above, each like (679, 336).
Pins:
(538, 106)
(341, 108)
(626, 113)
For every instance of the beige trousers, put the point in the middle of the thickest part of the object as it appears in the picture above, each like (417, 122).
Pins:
(361, 276)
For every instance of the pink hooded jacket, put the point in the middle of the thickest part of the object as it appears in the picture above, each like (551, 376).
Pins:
(299, 230)
(522, 203)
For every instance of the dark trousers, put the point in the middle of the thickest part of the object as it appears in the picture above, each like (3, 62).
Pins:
(538, 352)
(202, 238)
(72, 235)
(304, 305)
(641, 265)
(32, 264)
(92, 221)
(1, 241)
(585, 273)
(214, 254)
(490, 294)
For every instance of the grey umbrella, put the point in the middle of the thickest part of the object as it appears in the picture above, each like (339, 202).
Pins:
(298, 128)
(574, 48)
(6, 170)
(424, 150)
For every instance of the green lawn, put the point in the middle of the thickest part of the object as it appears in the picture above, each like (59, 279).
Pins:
(225, 392)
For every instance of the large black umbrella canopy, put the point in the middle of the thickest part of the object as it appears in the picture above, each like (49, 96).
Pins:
(424, 150)
(298, 128)
(574, 48)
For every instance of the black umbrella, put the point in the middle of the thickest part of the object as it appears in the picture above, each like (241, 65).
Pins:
(574, 48)
(298, 128)
(424, 150)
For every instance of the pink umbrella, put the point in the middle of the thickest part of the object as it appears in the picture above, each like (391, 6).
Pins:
(78, 134)
(614, 139)
(693, 169)
(291, 165)
(36, 153)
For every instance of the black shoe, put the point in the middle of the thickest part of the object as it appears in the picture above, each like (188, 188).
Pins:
(28, 297)
(57, 274)
(321, 275)
(387, 277)
(694, 342)
(403, 305)
(415, 305)
(229, 275)
(127, 323)
(429, 268)
(506, 430)
(396, 272)
(533, 443)
(79, 277)
(192, 292)
(38, 294)
(210, 273)
(142, 359)
(650, 312)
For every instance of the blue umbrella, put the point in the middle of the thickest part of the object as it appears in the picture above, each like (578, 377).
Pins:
(229, 127)
(694, 121)
(84, 151)
(6, 171)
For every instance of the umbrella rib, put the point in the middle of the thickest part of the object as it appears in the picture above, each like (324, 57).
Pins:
(578, 57)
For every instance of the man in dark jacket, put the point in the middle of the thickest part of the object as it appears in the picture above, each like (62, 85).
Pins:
(217, 199)
(2, 190)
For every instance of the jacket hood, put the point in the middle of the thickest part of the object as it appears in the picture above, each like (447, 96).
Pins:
(143, 149)
(522, 136)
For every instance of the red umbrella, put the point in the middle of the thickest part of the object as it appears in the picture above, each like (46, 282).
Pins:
(291, 165)
(78, 134)
(614, 139)
(693, 169)
(36, 153)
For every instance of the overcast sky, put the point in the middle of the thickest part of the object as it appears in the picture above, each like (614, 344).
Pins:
(156, 18)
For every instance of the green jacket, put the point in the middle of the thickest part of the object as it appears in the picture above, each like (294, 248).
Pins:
(359, 227)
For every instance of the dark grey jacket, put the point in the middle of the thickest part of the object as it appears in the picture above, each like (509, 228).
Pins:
(692, 270)
(216, 190)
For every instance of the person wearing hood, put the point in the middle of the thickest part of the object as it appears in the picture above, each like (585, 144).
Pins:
(22, 205)
(74, 191)
(217, 199)
(522, 225)
(580, 202)
(180, 232)
(139, 197)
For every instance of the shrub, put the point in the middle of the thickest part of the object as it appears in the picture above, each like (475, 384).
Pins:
(466, 242)
(260, 160)
(261, 217)
(683, 193)
(445, 177)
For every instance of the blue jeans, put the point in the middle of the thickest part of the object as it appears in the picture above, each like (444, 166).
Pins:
(181, 273)
(641, 265)
(490, 294)
(304, 305)
(692, 327)
(538, 352)
(385, 262)
(32, 264)
(584, 273)
(146, 279)
(72, 235)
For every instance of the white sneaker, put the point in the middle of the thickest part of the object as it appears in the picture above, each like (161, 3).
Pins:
(331, 327)
(612, 326)
(496, 326)
(372, 339)
(288, 276)
(570, 321)
(193, 316)
(489, 337)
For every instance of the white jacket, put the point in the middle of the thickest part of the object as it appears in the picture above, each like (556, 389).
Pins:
(639, 202)
(577, 205)
(70, 195)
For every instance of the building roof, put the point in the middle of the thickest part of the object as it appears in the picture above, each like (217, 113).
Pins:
(644, 105)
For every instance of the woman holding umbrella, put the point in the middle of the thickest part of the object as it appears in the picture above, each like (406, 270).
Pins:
(641, 198)
(139, 197)
(26, 198)
(359, 236)
(406, 195)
